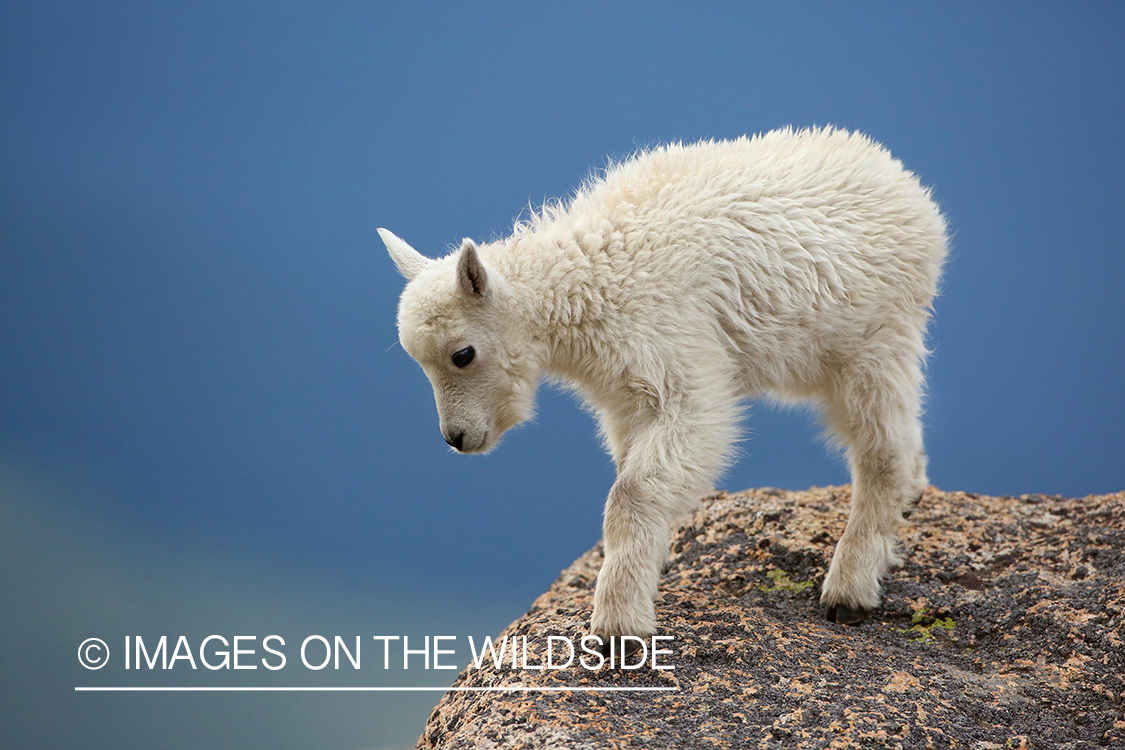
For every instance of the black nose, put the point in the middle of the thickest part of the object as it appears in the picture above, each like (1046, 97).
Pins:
(455, 439)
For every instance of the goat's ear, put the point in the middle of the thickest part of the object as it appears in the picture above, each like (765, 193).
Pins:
(470, 271)
(410, 262)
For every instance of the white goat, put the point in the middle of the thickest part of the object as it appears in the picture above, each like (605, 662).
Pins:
(800, 264)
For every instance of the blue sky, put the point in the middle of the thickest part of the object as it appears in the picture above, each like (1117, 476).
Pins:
(207, 423)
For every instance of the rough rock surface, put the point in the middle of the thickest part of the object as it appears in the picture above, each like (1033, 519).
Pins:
(1002, 629)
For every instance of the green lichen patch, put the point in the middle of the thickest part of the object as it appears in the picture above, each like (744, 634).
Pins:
(782, 582)
(923, 623)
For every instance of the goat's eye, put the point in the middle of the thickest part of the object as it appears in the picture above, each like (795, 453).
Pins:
(462, 357)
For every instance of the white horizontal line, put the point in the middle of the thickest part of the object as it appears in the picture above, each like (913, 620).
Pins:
(509, 689)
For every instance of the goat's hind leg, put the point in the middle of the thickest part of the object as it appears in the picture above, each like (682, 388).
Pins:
(876, 413)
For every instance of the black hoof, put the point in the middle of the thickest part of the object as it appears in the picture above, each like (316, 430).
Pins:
(630, 646)
(845, 615)
(909, 510)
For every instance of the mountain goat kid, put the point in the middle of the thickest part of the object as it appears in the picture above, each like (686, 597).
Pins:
(797, 264)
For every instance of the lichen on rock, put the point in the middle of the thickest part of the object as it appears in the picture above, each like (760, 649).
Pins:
(1002, 628)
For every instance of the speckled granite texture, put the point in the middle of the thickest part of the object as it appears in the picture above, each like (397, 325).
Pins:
(1002, 629)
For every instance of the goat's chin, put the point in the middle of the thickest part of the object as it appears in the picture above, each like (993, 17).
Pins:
(496, 432)
(486, 444)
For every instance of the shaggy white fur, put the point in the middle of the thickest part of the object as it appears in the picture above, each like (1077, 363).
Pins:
(795, 264)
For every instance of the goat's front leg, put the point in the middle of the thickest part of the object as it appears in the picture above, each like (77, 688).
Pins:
(667, 459)
(637, 531)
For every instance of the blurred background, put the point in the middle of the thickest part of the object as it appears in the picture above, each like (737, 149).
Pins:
(206, 423)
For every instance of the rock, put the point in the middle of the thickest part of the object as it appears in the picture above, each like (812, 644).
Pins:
(1002, 629)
